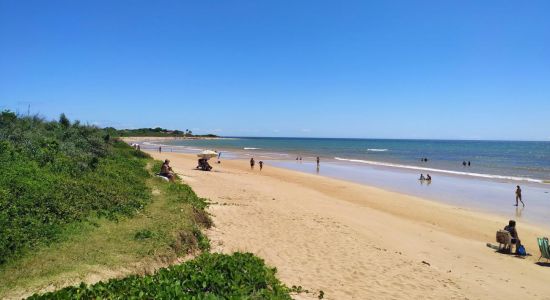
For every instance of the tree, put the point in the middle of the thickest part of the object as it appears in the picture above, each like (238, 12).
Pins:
(64, 121)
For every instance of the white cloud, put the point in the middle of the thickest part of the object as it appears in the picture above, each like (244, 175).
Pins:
(305, 130)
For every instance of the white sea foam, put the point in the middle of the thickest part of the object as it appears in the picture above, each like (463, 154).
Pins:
(251, 148)
(377, 150)
(491, 176)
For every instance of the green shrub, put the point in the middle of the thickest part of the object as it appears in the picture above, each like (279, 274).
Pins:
(143, 234)
(57, 173)
(209, 276)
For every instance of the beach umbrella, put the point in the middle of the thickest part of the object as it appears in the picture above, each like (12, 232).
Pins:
(207, 154)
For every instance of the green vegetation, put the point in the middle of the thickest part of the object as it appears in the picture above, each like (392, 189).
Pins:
(154, 132)
(56, 173)
(209, 276)
(167, 228)
(77, 206)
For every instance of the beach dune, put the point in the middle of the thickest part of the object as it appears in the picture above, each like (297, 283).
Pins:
(358, 242)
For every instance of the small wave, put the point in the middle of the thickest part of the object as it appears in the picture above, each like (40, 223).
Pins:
(491, 176)
(377, 150)
(251, 148)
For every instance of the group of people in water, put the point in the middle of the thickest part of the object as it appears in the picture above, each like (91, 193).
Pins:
(464, 163)
(427, 178)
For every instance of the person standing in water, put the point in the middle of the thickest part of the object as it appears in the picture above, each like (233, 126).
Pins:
(318, 161)
(518, 196)
(261, 163)
(252, 162)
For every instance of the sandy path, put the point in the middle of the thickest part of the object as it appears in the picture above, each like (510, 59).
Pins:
(358, 242)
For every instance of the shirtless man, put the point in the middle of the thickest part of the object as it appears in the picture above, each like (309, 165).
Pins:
(166, 170)
(518, 196)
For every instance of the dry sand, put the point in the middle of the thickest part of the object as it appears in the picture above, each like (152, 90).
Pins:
(358, 242)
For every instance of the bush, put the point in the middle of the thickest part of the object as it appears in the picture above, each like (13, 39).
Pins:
(209, 276)
(55, 173)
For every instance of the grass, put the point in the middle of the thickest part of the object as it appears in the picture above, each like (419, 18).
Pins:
(78, 206)
(98, 248)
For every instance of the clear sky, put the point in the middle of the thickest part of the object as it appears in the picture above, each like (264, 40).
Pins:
(381, 69)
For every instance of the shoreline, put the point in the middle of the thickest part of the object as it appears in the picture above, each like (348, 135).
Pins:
(268, 154)
(487, 195)
(356, 241)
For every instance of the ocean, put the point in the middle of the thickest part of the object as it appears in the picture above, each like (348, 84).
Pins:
(508, 160)
(487, 185)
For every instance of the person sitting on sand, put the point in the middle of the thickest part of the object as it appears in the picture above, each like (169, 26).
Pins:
(422, 177)
(428, 177)
(511, 228)
(252, 162)
(518, 196)
(166, 170)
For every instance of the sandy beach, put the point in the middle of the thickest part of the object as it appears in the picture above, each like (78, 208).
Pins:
(353, 241)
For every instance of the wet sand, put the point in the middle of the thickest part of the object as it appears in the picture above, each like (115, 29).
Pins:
(354, 241)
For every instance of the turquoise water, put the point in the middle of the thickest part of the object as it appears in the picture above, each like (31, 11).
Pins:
(527, 161)
(487, 185)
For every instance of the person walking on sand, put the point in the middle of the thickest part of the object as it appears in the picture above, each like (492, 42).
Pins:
(261, 163)
(252, 162)
(518, 196)
(318, 161)
(160, 149)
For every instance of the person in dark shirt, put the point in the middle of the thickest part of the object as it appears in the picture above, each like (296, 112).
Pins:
(252, 163)
(261, 163)
(511, 228)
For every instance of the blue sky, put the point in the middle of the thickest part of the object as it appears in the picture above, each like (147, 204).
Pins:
(383, 69)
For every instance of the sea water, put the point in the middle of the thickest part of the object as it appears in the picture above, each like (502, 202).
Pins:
(487, 184)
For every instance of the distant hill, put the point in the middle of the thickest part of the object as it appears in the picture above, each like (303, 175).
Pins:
(154, 132)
